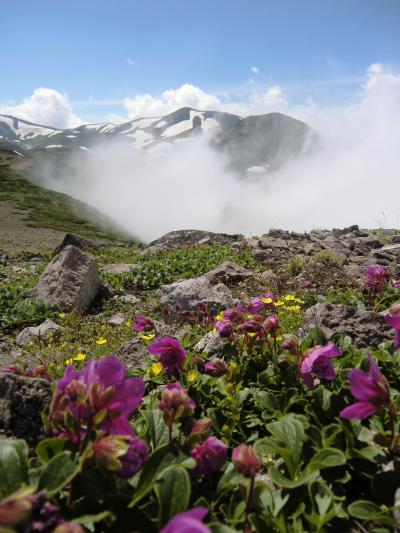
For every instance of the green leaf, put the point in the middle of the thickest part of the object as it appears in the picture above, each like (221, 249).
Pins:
(157, 430)
(59, 471)
(48, 448)
(13, 465)
(327, 458)
(173, 493)
(159, 460)
(366, 510)
(279, 479)
(289, 436)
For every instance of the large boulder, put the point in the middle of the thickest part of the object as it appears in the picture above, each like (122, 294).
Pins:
(366, 328)
(22, 402)
(185, 295)
(32, 334)
(70, 280)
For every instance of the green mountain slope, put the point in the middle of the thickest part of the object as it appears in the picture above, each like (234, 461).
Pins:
(25, 206)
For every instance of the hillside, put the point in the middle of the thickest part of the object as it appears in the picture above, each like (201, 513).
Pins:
(34, 217)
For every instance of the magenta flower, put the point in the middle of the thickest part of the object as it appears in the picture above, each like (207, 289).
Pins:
(318, 361)
(378, 277)
(97, 397)
(394, 322)
(188, 522)
(210, 456)
(246, 461)
(216, 367)
(371, 390)
(171, 354)
(251, 326)
(142, 323)
(259, 304)
(224, 328)
(233, 314)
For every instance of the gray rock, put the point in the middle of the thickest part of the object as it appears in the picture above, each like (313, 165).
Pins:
(269, 242)
(33, 334)
(129, 298)
(366, 329)
(116, 320)
(75, 240)
(184, 295)
(22, 401)
(175, 239)
(227, 272)
(133, 353)
(70, 280)
(212, 344)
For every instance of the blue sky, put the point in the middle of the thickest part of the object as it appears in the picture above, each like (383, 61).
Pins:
(100, 52)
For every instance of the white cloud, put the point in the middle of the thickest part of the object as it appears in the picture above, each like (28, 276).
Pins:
(272, 97)
(130, 61)
(255, 70)
(45, 106)
(145, 105)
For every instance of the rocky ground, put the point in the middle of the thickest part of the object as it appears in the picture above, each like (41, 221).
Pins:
(67, 305)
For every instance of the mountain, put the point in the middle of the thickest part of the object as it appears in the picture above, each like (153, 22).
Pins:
(255, 143)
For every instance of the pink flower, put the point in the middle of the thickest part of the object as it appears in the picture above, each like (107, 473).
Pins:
(123, 455)
(246, 461)
(378, 277)
(394, 322)
(271, 325)
(171, 354)
(210, 456)
(318, 361)
(188, 522)
(371, 390)
(98, 396)
(143, 324)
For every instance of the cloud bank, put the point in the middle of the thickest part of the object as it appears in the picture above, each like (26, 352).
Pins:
(352, 178)
(46, 107)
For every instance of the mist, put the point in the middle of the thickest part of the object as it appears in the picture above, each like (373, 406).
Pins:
(353, 177)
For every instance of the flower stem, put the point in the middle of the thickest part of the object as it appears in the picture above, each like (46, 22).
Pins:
(247, 524)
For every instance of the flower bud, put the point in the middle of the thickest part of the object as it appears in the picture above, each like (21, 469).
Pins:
(216, 367)
(69, 527)
(14, 510)
(224, 328)
(290, 344)
(271, 325)
(175, 403)
(109, 450)
(246, 461)
(201, 426)
(142, 323)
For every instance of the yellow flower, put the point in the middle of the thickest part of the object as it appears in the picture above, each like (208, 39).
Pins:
(279, 338)
(192, 376)
(249, 316)
(279, 303)
(289, 297)
(214, 330)
(80, 357)
(234, 366)
(220, 315)
(267, 300)
(69, 361)
(156, 368)
(294, 308)
(251, 334)
(101, 340)
(148, 337)
(61, 315)
(128, 323)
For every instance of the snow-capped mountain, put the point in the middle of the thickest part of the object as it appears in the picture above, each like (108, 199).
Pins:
(254, 144)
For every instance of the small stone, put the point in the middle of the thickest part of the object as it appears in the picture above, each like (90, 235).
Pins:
(32, 334)
(116, 320)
